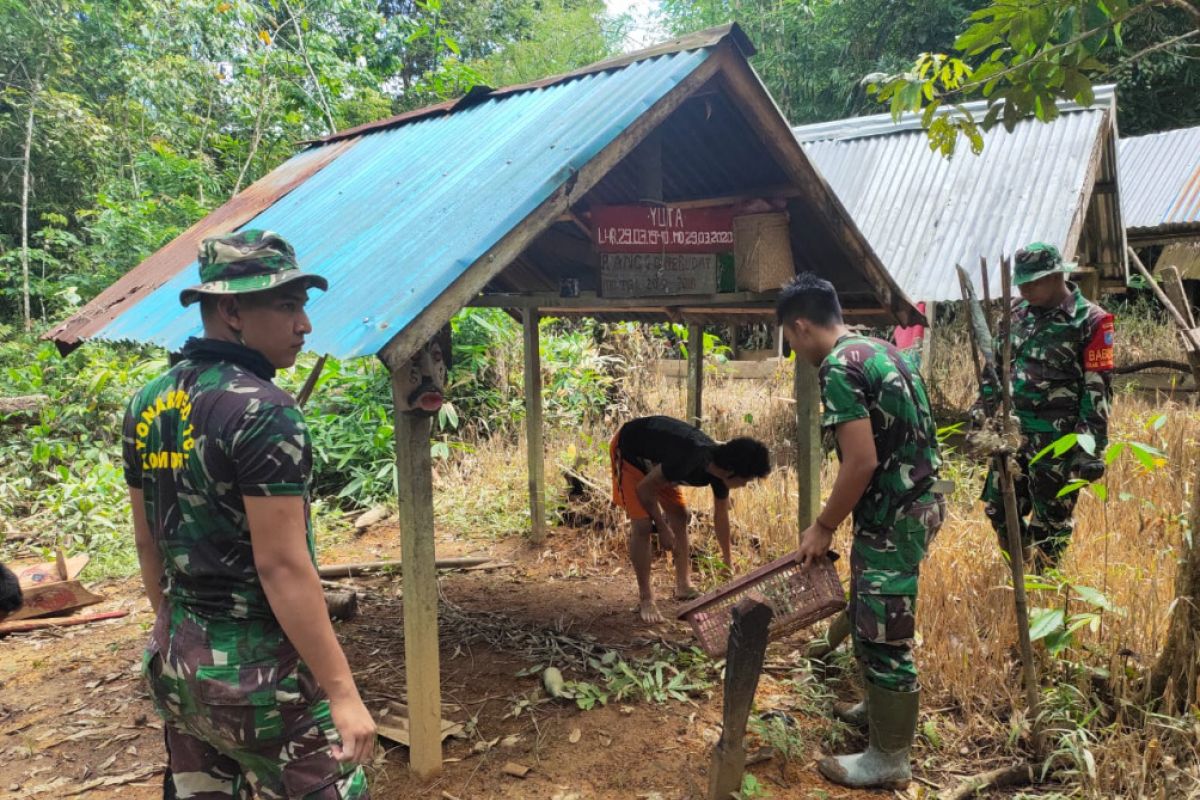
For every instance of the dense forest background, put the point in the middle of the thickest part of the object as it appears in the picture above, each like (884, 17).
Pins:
(122, 123)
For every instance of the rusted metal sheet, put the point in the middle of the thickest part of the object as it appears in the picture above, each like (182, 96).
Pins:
(177, 254)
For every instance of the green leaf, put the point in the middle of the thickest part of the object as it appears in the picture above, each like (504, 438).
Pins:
(1044, 622)
(1073, 486)
(1114, 451)
(977, 38)
(1088, 442)
(1058, 641)
(1093, 597)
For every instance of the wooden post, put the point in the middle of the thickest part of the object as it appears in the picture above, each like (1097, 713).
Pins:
(1008, 468)
(533, 427)
(1174, 287)
(927, 340)
(808, 441)
(695, 373)
(743, 665)
(414, 495)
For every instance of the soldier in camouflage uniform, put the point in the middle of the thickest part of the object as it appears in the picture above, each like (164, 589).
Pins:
(1062, 359)
(877, 405)
(217, 459)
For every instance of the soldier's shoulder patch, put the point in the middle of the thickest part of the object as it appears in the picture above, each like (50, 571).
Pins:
(1098, 353)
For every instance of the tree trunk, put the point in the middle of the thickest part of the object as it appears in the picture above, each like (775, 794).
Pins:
(25, 168)
(1174, 675)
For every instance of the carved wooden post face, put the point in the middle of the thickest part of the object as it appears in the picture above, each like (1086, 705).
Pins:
(423, 382)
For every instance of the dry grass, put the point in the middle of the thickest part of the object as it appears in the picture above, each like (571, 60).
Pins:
(1124, 547)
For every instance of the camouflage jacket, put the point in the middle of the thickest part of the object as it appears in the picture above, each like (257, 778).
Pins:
(208, 432)
(869, 378)
(1062, 361)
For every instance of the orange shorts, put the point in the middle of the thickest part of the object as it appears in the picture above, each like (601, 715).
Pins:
(626, 477)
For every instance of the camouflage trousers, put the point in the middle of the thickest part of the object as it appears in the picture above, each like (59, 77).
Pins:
(1050, 522)
(242, 728)
(884, 570)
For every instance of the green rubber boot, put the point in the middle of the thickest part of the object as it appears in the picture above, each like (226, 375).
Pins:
(885, 764)
(839, 629)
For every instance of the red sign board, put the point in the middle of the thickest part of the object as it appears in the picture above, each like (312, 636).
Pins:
(658, 229)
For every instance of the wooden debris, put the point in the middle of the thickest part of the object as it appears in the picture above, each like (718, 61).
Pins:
(32, 573)
(57, 622)
(24, 407)
(396, 729)
(1005, 777)
(55, 597)
(371, 517)
(515, 770)
(348, 570)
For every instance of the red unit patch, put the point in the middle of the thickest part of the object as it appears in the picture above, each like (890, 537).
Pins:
(1098, 355)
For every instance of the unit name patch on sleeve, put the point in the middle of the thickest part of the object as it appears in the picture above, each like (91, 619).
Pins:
(1098, 355)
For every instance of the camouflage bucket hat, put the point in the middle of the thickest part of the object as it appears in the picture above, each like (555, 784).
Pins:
(247, 261)
(1037, 261)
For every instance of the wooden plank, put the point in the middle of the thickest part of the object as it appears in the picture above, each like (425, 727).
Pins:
(414, 484)
(743, 666)
(533, 426)
(1174, 288)
(1075, 231)
(808, 441)
(54, 597)
(591, 301)
(427, 323)
(26, 625)
(695, 374)
(663, 275)
(359, 567)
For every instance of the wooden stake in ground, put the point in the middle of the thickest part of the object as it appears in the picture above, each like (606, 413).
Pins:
(743, 664)
(1003, 463)
(1012, 519)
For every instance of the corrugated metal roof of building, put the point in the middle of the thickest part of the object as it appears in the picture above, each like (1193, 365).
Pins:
(923, 213)
(1160, 181)
(412, 216)
(429, 197)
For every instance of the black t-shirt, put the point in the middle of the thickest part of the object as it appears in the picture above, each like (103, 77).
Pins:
(684, 452)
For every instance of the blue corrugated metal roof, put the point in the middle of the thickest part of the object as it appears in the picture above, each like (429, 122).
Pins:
(398, 217)
(923, 214)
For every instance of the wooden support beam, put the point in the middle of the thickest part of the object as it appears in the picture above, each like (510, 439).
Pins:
(927, 340)
(1174, 288)
(650, 168)
(533, 426)
(695, 374)
(808, 441)
(414, 495)
(590, 300)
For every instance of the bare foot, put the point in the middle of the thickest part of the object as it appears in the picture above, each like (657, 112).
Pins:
(688, 592)
(649, 613)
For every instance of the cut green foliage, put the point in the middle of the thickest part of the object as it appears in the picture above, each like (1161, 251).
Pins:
(663, 676)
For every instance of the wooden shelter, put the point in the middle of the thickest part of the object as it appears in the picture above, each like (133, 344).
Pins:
(540, 199)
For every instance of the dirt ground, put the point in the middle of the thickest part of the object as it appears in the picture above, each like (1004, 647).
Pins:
(75, 721)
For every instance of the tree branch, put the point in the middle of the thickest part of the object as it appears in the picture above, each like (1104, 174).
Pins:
(1152, 48)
